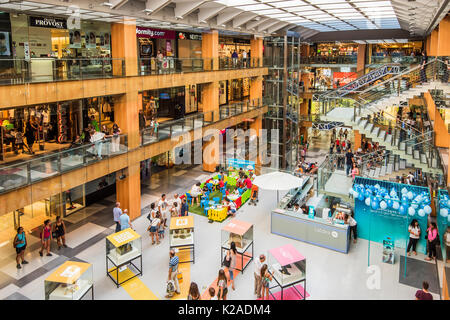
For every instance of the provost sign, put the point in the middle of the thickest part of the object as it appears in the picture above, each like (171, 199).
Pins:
(142, 32)
(44, 22)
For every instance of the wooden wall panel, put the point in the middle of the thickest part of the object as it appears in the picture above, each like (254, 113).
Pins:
(69, 90)
(73, 179)
(97, 170)
(444, 37)
(15, 199)
(40, 92)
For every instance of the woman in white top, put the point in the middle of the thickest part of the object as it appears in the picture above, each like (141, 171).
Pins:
(195, 192)
(414, 236)
(153, 228)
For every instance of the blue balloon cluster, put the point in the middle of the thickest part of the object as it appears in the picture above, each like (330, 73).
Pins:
(405, 202)
(444, 205)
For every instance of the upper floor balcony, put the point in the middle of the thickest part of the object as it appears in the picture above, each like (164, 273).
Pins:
(39, 70)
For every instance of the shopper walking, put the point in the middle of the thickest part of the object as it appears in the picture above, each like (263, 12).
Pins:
(46, 237)
(446, 242)
(234, 57)
(30, 133)
(432, 241)
(115, 140)
(355, 171)
(20, 244)
(257, 274)
(244, 58)
(184, 210)
(163, 208)
(154, 227)
(231, 258)
(266, 277)
(59, 228)
(125, 220)
(423, 294)
(348, 219)
(423, 67)
(348, 162)
(414, 236)
(176, 202)
(173, 270)
(194, 293)
(117, 212)
(222, 285)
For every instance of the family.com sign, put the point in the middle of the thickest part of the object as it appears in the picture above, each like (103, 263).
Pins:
(214, 146)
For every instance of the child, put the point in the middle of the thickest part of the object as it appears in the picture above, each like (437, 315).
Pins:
(222, 285)
(212, 294)
(161, 231)
(265, 280)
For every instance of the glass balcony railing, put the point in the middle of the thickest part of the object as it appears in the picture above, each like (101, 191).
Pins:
(168, 65)
(14, 176)
(168, 129)
(17, 71)
(403, 60)
(350, 59)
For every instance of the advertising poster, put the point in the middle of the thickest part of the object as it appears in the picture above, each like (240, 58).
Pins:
(105, 40)
(74, 39)
(90, 38)
(344, 78)
(5, 49)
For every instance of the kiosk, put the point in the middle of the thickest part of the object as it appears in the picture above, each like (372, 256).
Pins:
(241, 233)
(288, 269)
(182, 235)
(316, 226)
(122, 249)
(71, 281)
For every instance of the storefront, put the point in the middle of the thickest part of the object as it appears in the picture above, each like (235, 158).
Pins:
(55, 125)
(170, 103)
(41, 40)
(327, 78)
(228, 45)
(394, 52)
(150, 42)
(336, 49)
(189, 50)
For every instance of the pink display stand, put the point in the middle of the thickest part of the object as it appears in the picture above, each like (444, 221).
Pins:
(292, 293)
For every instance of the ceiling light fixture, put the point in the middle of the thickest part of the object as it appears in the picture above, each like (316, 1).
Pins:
(107, 4)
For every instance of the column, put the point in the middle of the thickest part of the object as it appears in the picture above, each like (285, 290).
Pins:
(256, 47)
(303, 129)
(128, 190)
(433, 43)
(361, 59)
(358, 138)
(210, 50)
(211, 154)
(210, 101)
(256, 84)
(124, 46)
(256, 125)
(443, 37)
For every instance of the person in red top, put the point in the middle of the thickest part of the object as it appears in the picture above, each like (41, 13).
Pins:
(247, 182)
(221, 183)
(424, 294)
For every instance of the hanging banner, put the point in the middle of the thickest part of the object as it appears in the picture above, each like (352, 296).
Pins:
(4, 44)
(105, 41)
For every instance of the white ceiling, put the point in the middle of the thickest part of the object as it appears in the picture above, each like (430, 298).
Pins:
(259, 17)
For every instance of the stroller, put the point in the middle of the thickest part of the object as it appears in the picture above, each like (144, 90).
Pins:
(254, 195)
(170, 289)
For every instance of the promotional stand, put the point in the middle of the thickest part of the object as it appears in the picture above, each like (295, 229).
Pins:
(288, 269)
(241, 233)
(71, 281)
(122, 248)
(182, 235)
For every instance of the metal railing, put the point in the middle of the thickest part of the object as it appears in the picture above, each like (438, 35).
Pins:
(349, 59)
(17, 71)
(13, 176)
(169, 65)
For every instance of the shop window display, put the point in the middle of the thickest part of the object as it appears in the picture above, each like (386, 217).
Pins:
(70, 281)
(182, 237)
(288, 269)
(241, 233)
(123, 248)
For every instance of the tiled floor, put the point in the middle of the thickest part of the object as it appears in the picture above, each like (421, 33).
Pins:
(330, 275)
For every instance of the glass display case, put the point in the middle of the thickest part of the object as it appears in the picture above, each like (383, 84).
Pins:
(122, 249)
(288, 269)
(71, 281)
(241, 233)
(181, 237)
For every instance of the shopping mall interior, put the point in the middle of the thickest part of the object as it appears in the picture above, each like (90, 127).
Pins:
(225, 149)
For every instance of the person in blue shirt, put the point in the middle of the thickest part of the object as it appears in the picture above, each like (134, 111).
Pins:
(184, 211)
(125, 220)
(173, 270)
(20, 243)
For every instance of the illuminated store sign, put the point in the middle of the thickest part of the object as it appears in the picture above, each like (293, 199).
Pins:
(48, 23)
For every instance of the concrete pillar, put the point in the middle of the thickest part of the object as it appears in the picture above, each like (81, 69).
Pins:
(210, 50)
(443, 38)
(358, 138)
(128, 190)
(256, 88)
(210, 101)
(434, 43)
(124, 46)
(361, 59)
(256, 47)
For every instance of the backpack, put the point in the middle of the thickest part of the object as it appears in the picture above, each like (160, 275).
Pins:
(14, 242)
